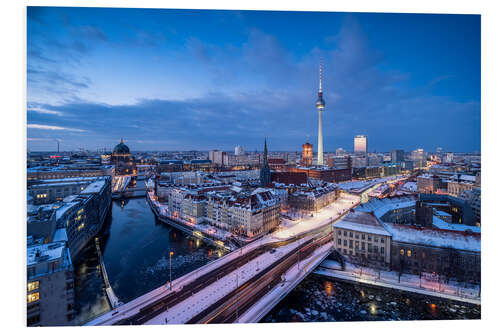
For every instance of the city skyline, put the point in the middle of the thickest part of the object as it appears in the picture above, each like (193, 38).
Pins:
(165, 84)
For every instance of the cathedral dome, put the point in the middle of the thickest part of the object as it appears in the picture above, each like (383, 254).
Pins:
(121, 148)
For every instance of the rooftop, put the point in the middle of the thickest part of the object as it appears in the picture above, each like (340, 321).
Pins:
(434, 237)
(45, 252)
(362, 222)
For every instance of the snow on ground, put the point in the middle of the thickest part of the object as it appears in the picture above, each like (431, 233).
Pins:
(409, 282)
(318, 219)
(187, 309)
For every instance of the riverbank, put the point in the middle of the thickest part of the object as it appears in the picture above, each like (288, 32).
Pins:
(318, 299)
(135, 248)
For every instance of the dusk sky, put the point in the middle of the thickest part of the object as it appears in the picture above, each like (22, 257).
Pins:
(191, 79)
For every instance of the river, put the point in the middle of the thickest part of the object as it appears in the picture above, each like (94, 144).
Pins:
(135, 248)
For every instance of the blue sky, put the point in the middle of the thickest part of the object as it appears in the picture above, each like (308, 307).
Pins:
(193, 79)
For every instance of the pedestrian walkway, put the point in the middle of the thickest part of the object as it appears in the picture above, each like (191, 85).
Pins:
(407, 282)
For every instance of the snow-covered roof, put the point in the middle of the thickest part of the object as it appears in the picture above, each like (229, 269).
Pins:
(50, 251)
(362, 222)
(440, 224)
(94, 187)
(60, 235)
(434, 237)
(60, 212)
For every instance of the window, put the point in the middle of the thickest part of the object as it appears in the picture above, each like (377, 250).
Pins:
(33, 297)
(382, 240)
(363, 236)
(350, 243)
(356, 236)
(369, 238)
(339, 241)
(356, 245)
(375, 249)
(408, 253)
(375, 239)
(382, 250)
(33, 285)
(345, 242)
(345, 233)
(350, 234)
(340, 233)
(369, 248)
(363, 246)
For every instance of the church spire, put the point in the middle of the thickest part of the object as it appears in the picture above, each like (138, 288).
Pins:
(265, 151)
(265, 172)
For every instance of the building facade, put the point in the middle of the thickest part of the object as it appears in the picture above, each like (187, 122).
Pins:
(307, 154)
(362, 238)
(360, 144)
(50, 285)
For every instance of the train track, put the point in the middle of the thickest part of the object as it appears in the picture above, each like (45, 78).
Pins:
(227, 310)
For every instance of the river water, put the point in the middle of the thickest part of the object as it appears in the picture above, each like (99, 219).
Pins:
(135, 248)
(318, 299)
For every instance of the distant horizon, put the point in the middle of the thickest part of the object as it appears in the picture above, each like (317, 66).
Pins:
(214, 79)
(246, 151)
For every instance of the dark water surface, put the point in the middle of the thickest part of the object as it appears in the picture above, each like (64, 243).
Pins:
(135, 247)
(317, 299)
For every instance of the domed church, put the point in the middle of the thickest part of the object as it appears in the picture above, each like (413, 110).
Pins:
(123, 161)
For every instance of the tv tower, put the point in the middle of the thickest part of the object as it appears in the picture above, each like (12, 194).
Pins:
(320, 105)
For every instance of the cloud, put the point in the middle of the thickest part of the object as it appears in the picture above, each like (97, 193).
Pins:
(54, 128)
(44, 111)
(260, 88)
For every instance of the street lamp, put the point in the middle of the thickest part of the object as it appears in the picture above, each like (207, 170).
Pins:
(170, 260)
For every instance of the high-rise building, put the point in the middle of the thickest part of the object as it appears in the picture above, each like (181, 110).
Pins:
(239, 150)
(218, 157)
(307, 154)
(320, 105)
(397, 155)
(360, 144)
(265, 172)
(418, 157)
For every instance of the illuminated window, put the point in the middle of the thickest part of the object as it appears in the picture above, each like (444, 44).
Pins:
(33, 285)
(408, 253)
(33, 297)
(402, 252)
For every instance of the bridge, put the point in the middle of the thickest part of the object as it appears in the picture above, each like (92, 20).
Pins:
(243, 285)
(120, 187)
